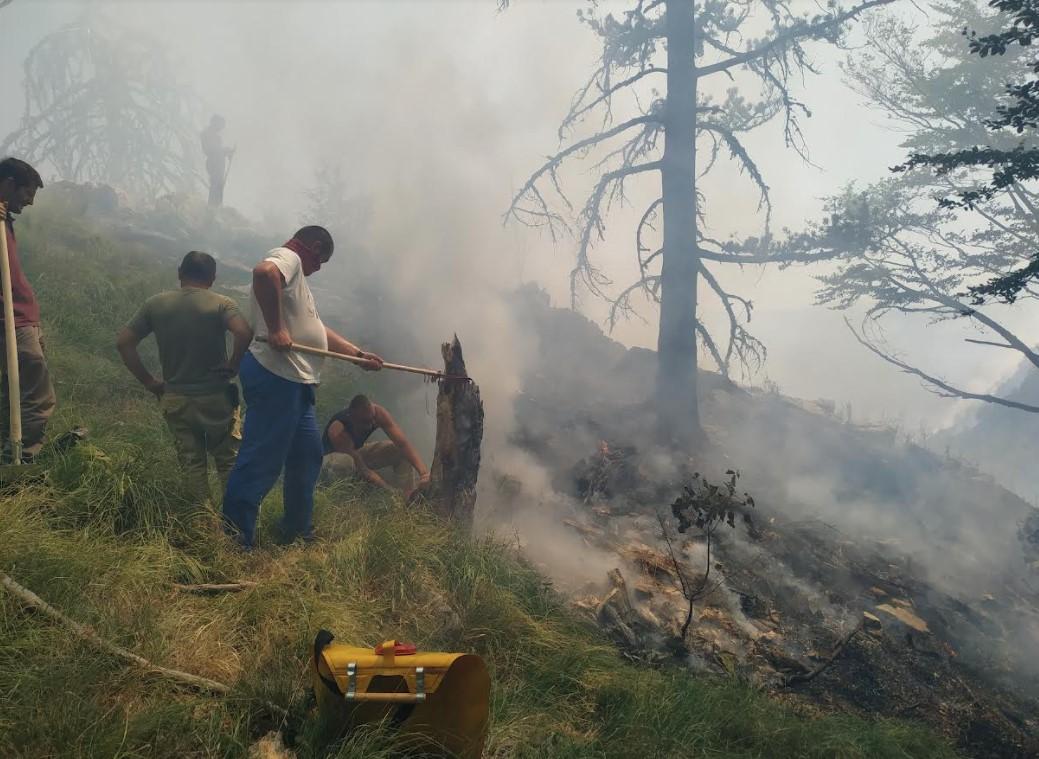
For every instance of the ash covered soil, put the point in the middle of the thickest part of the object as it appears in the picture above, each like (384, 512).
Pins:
(872, 576)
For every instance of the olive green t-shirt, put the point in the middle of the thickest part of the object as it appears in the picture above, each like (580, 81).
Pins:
(190, 327)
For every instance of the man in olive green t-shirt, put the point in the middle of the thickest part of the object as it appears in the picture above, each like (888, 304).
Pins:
(197, 392)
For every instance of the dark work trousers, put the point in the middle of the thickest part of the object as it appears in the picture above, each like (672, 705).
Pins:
(37, 392)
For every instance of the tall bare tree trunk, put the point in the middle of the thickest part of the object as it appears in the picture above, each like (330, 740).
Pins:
(678, 413)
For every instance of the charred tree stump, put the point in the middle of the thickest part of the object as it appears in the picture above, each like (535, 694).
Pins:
(456, 458)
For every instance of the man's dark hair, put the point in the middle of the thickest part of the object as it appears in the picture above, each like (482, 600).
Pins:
(197, 267)
(320, 235)
(23, 174)
(360, 402)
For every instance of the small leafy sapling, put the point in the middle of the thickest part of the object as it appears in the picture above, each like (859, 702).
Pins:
(705, 507)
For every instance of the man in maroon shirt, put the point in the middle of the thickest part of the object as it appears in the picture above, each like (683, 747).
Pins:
(18, 184)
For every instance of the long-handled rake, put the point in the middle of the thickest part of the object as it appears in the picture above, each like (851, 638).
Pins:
(431, 373)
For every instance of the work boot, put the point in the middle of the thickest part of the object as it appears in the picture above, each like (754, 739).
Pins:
(287, 536)
(68, 440)
(62, 444)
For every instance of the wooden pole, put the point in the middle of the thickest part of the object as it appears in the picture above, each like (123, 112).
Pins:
(84, 632)
(225, 587)
(11, 345)
(33, 601)
(364, 362)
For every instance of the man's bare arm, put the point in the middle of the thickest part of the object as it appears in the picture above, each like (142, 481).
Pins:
(268, 282)
(339, 344)
(126, 343)
(342, 443)
(242, 335)
(396, 434)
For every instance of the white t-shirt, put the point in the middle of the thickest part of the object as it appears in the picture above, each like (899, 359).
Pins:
(301, 320)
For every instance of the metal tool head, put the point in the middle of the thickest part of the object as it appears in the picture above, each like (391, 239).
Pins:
(450, 378)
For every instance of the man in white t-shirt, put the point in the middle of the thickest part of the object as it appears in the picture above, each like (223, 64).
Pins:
(280, 431)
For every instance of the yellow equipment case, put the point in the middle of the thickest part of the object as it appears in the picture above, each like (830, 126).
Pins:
(440, 701)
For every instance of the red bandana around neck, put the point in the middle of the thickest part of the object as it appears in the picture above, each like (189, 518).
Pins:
(311, 260)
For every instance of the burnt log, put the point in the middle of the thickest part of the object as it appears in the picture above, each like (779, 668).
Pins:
(456, 458)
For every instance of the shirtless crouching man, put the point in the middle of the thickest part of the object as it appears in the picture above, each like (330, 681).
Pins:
(347, 448)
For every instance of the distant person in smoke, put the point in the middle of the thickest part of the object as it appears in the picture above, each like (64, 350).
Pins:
(348, 451)
(218, 159)
(197, 394)
(279, 384)
(18, 185)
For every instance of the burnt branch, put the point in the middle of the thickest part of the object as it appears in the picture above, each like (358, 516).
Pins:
(807, 677)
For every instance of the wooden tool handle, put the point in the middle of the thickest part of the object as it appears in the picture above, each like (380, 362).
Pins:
(10, 344)
(364, 362)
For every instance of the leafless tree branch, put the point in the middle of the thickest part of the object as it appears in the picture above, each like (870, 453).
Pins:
(807, 677)
(739, 152)
(712, 347)
(580, 108)
(621, 305)
(938, 385)
(530, 186)
(646, 223)
(593, 224)
(822, 28)
(747, 348)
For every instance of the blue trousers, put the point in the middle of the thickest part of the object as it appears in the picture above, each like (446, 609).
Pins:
(280, 432)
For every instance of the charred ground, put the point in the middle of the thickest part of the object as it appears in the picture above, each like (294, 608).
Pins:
(876, 578)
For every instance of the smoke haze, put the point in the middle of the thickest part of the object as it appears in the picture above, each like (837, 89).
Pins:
(437, 111)
(434, 113)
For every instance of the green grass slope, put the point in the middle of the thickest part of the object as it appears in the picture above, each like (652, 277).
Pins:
(104, 536)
